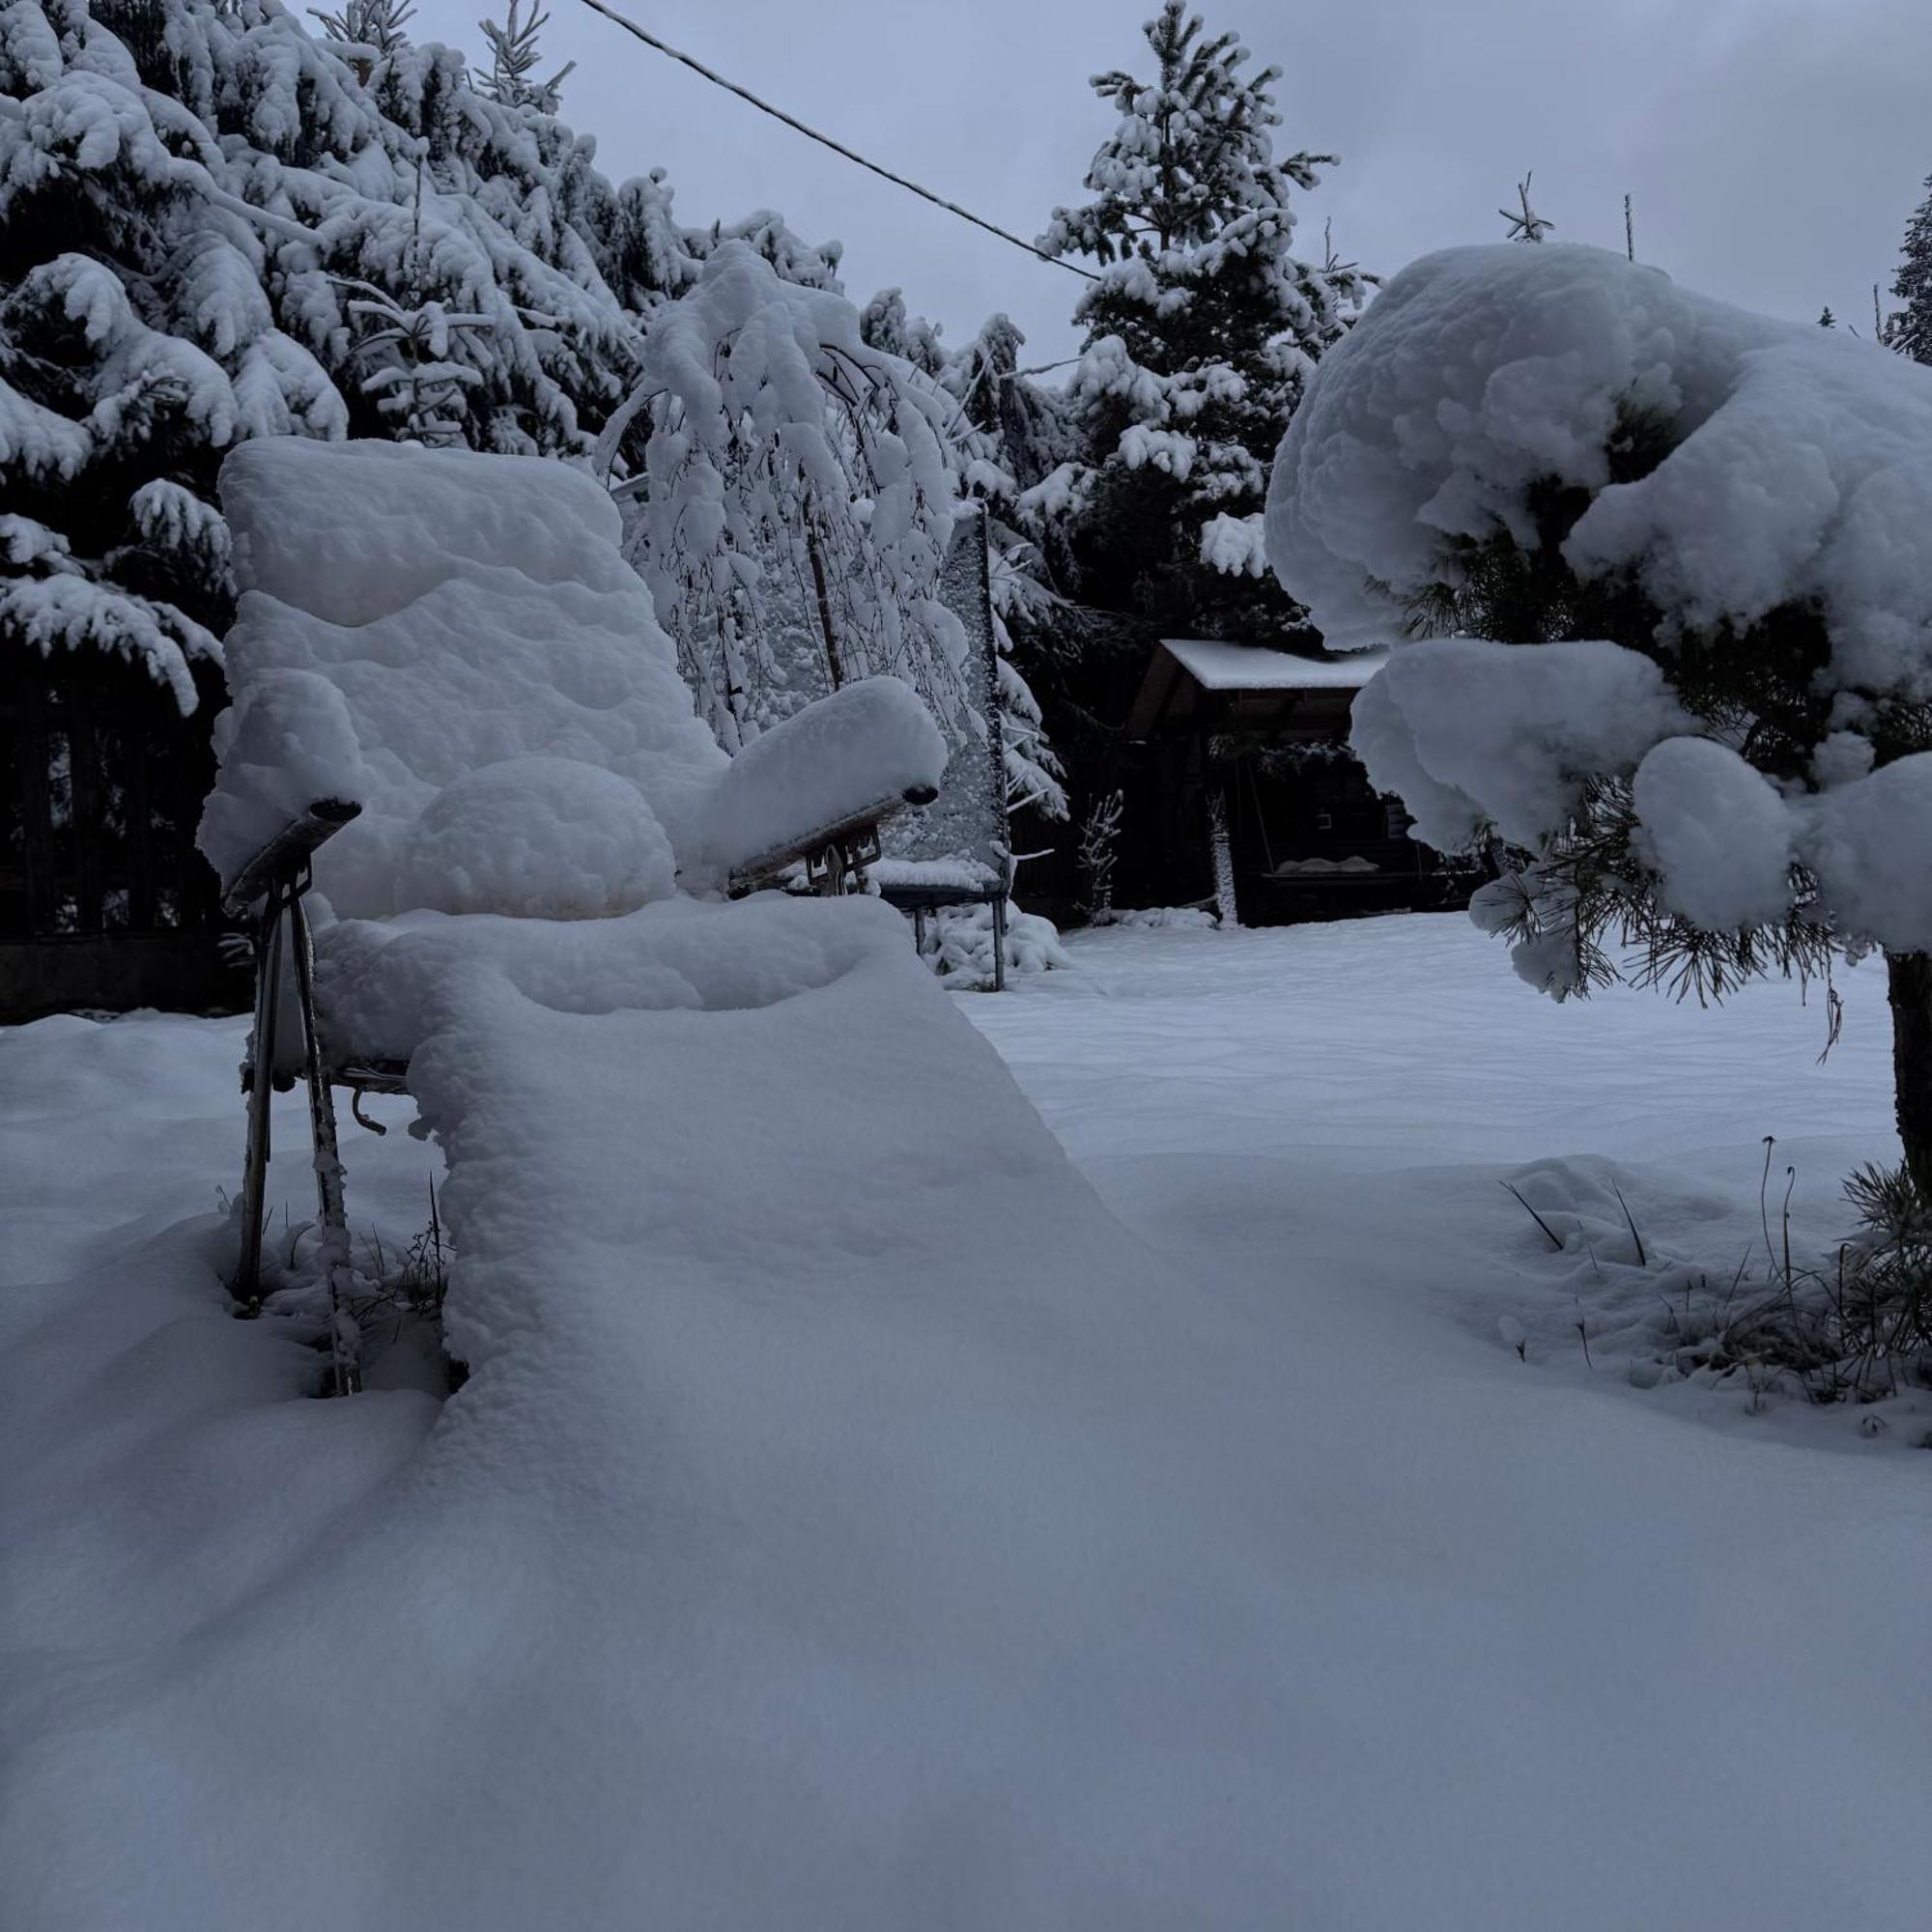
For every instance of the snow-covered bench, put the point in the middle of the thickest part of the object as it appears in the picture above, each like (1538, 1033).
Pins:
(458, 733)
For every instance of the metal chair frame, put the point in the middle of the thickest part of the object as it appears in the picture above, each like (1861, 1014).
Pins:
(270, 889)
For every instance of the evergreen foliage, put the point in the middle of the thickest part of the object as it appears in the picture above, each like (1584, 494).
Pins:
(513, 50)
(215, 226)
(1199, 336)
(1909, 328)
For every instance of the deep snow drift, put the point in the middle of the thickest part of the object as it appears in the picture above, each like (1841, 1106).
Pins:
(904, 1544)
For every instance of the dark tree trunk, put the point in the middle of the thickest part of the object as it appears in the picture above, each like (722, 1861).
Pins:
(832, 662)
(1909, 987)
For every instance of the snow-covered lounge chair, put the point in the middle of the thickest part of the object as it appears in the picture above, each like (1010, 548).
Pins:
(458, 742)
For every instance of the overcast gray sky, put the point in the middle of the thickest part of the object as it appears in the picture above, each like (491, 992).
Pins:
(1775, 148)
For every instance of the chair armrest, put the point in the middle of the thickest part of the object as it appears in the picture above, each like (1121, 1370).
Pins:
(857, 826)
(831, 771)
(288, 851)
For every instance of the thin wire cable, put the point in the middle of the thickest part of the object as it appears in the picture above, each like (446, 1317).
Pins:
(650, 39)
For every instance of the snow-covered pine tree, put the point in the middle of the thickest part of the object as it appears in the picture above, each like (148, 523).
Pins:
(1909, 328)
(1670, 650)
(1198, 338)
(413, 375)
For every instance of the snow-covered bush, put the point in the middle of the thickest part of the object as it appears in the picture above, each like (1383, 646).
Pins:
(1099, 836)
(1698, 536)
(1167, 919)
(958, 943)
(1848, 1324)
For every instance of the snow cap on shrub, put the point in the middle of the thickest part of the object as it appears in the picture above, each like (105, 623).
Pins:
(1717, 832)
(1468, 732)
(1798, 464)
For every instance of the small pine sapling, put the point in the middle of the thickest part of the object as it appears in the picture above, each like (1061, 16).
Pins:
(1530, 226)
(415, 380)
(513, 63)
(370, 31)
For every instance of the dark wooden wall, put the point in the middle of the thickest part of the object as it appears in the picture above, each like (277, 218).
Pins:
(104, 902)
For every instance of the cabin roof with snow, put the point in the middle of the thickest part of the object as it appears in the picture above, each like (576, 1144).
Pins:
(1259, 685)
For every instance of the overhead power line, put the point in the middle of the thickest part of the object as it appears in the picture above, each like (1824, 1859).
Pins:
(791, 121)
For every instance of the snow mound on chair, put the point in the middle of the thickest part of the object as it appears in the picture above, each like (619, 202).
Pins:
(553, 838)
(463, 611)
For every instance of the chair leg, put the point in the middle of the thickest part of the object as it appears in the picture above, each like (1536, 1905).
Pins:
(246, 1286)
(345, 1376)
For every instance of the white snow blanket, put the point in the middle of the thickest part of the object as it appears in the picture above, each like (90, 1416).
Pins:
(455, 643)
(1797, 471)
(944, 1563)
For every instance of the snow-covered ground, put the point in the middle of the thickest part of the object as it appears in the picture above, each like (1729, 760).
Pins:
(1051, 1583)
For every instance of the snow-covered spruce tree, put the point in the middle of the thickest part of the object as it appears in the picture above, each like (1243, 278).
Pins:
(789, 499)
(138, 338)
(977, 378)
(193, 200)
(1199, 337)
(1909, 328)
(1697, 535)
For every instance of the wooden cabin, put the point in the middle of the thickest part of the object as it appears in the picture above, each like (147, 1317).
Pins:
(1256, 741)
